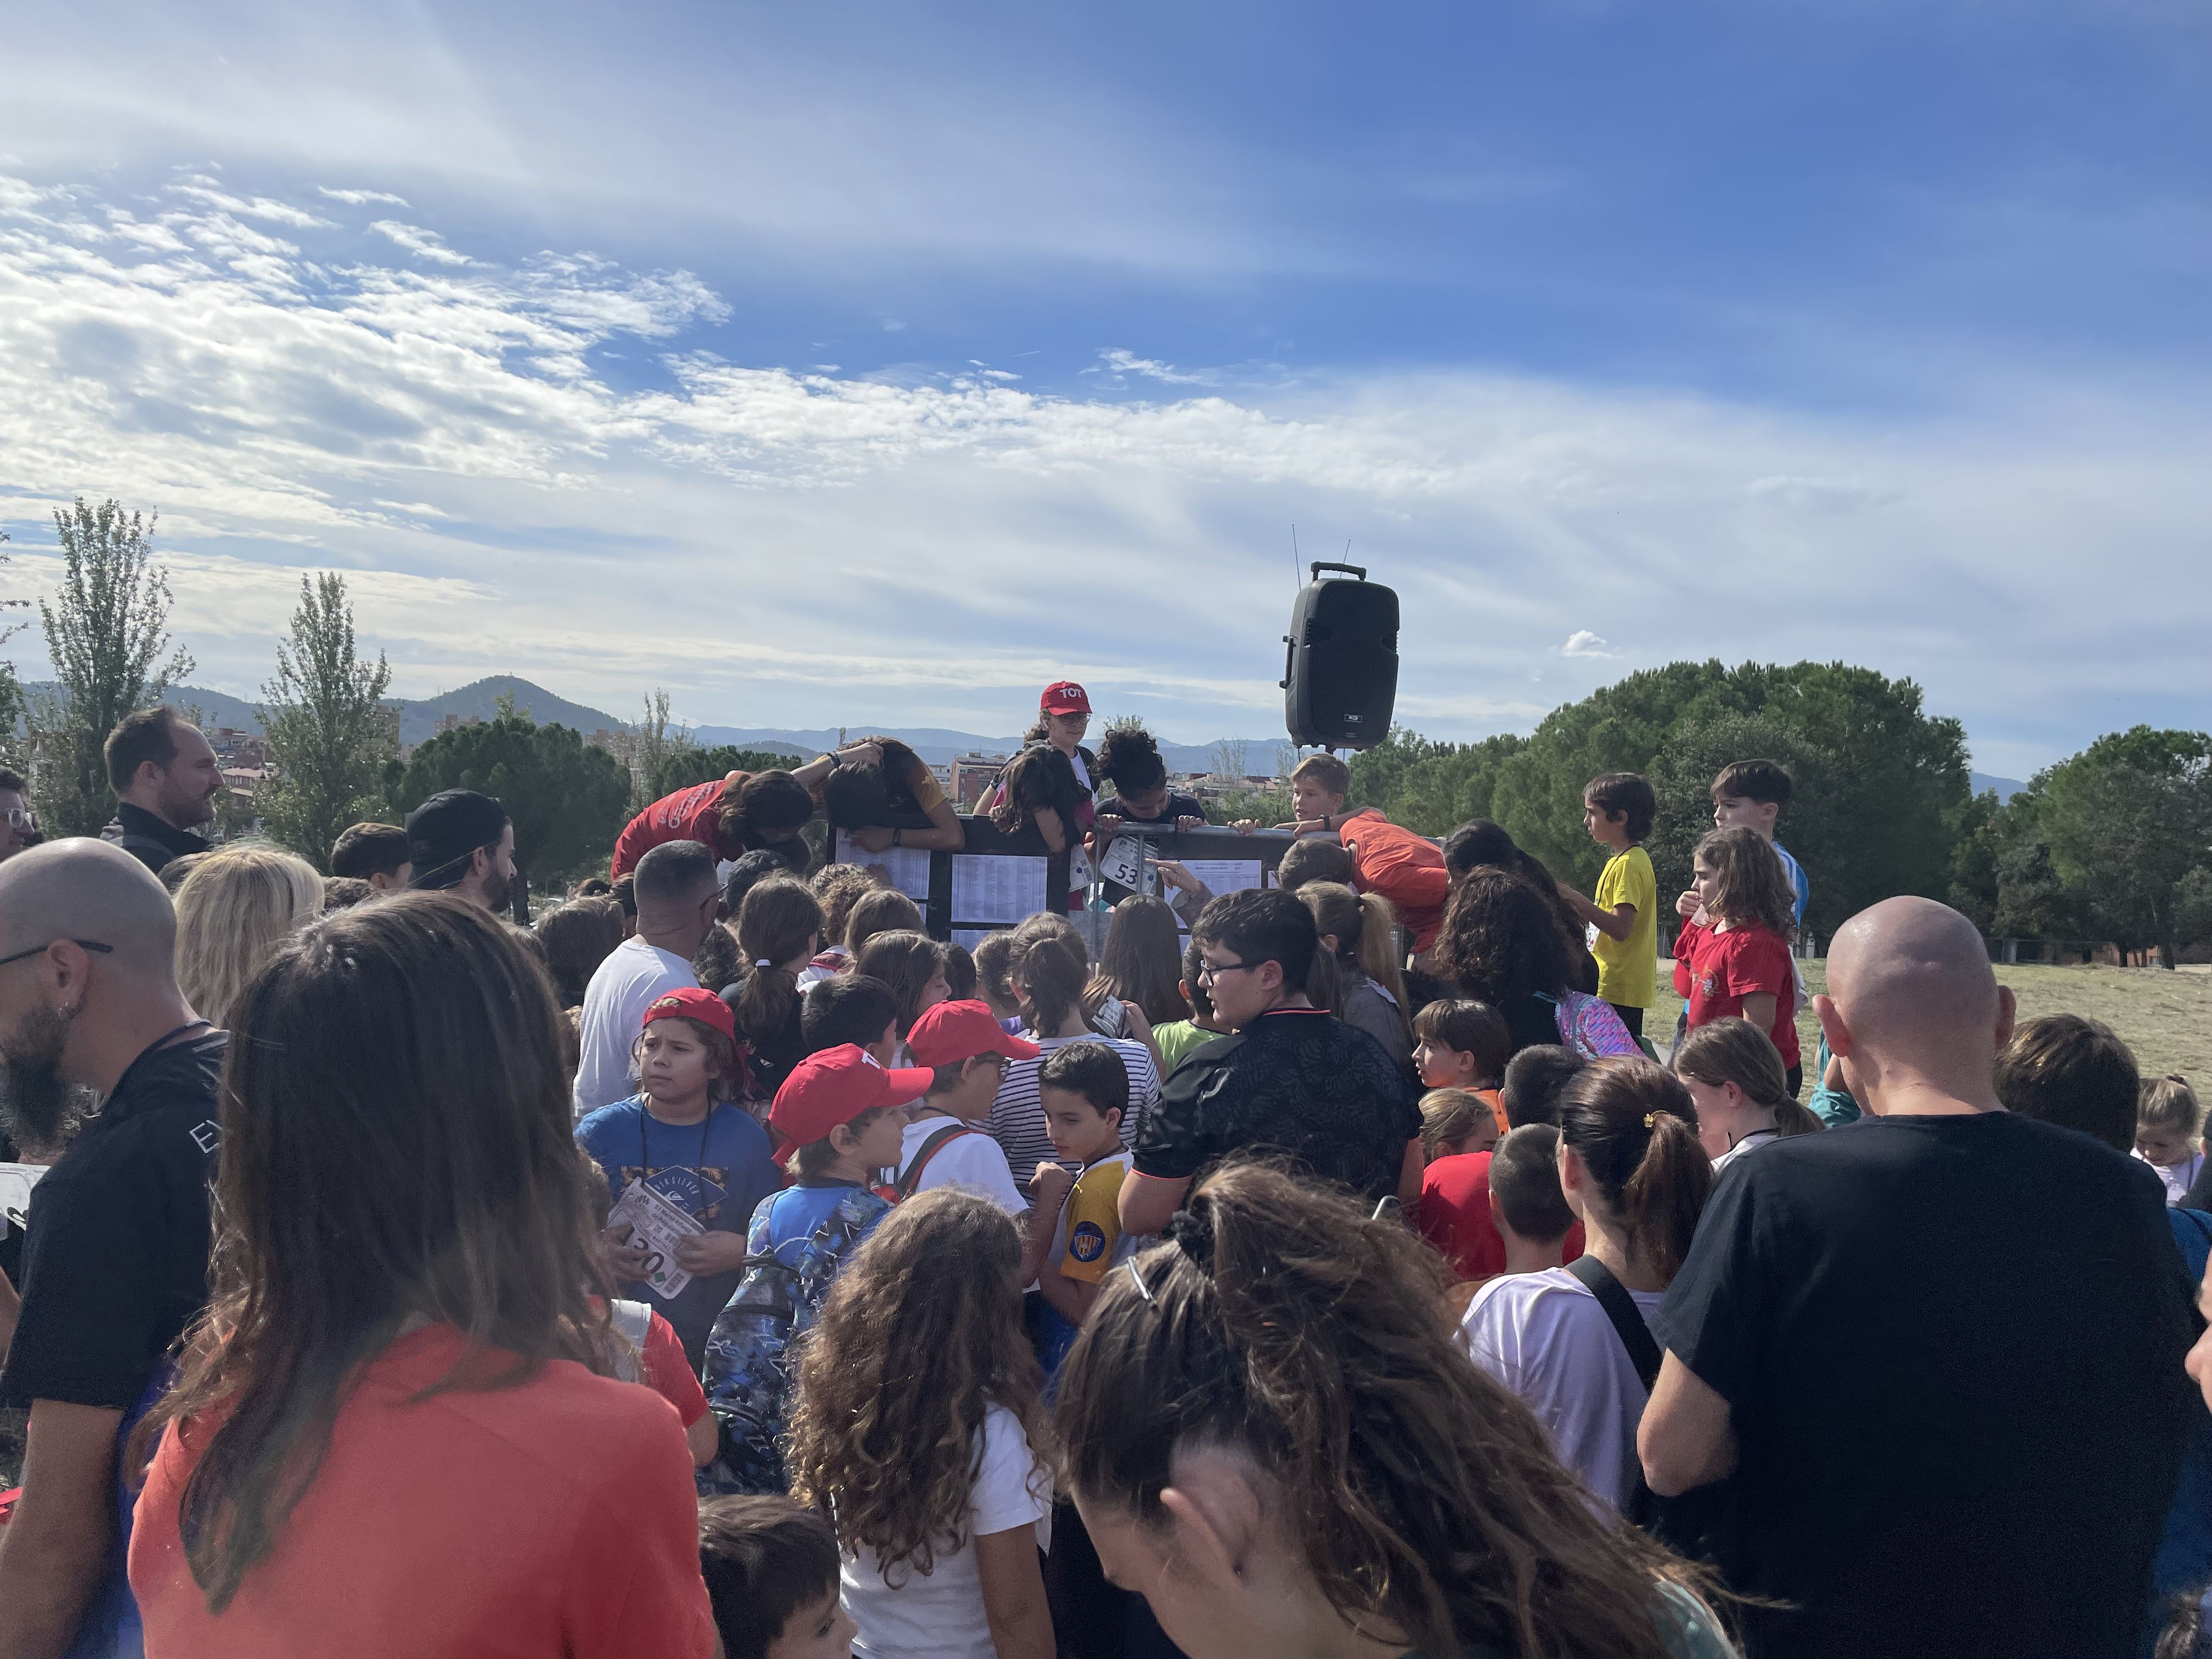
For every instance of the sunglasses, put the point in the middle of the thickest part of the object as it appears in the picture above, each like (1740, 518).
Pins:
(40, 949)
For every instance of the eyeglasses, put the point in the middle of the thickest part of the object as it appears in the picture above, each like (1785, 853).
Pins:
(23, 818)
(40, 949)
(1212, 971)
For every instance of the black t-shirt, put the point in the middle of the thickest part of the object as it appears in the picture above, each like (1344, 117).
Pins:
(1297, 1081)
(1533, 1021)
(1953, 1350)
(115, 1263)
(152, 841)
(776, 1051)
(1178, 805)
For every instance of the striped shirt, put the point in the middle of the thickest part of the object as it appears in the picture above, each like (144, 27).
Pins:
(1017, 1114)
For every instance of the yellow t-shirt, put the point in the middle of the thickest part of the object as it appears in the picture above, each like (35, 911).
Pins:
(1628, 968)
(1089, 1239)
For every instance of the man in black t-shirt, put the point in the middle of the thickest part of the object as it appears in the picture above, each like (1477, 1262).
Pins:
(1294, 1080)
(115, 1261)
(1937, 1353)
(166, 779)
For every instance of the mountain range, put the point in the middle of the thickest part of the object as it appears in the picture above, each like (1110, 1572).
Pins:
(419, 718)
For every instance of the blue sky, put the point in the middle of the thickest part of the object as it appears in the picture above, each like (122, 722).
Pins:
(871, 365)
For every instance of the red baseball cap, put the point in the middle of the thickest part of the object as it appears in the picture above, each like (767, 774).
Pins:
(835, 1087)
(1064, 697)
(692, 1003)
(954, 1031)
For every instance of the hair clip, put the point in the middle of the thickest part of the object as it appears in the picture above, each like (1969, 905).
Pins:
(1194, 1236)
(1651, 1120)
(763, 963)
(1138, 1280)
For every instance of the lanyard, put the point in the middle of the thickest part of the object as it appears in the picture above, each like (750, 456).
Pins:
(645, 1164)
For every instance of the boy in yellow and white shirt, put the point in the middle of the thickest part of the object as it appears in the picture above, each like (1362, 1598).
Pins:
(1618, 809)
(1083, 1090)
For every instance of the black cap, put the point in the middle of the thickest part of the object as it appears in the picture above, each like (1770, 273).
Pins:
(445, 830)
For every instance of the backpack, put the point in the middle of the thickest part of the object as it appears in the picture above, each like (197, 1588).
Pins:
(910, 1178)
(1590, 1027)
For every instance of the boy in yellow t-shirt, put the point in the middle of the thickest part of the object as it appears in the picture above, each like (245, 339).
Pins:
(1085, 1090)
(1617, 811)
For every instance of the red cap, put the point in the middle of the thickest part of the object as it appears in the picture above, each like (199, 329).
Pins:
(954, 1031)
(692, 1003)
(1064, 697)
(835, 1087)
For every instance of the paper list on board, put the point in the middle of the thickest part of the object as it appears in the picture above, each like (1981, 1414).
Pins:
(991, 889)
(906, 868)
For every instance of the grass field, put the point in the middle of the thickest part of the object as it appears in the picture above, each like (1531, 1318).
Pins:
(2167, 1018)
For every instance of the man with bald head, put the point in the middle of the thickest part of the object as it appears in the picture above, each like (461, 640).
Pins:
(115, 1259)
(1936, 1353)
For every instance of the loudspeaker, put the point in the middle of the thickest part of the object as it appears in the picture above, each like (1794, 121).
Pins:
(1340, 680)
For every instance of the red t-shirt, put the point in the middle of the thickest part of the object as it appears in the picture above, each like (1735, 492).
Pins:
(556, 1516)
(1406, 868)
(693, 814)
(1717, 971)
(1453, 1215)
(668, 1373)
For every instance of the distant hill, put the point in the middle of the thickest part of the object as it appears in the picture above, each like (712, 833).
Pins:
(419, 718)
(2006, 787)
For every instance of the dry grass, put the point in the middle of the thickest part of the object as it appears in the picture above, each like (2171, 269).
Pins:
(2167, 1018)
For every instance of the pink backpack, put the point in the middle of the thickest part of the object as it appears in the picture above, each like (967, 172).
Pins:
(1591, 1028)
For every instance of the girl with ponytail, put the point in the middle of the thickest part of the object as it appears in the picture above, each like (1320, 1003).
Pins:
(1270, 1436)
(1573, 1342)
(1359, 941)
(1050, 977)
(1741, 1090)
(778, 931)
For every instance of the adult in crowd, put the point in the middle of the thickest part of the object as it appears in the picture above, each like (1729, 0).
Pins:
(462, 842)
(2008, 1291)
(237, 906)
(19, 825)
(1050, 981)
(115, 1262)
(1129, 759)
(165, 780)
(376, 854)
(1271, 1439)
(734, 814)
(578, 937)
(676, 897)
(1294, 1080)
(858, 795)
(1501, 944)
(1573, 1342)
(1360, 943)
(404, 1389)
(1478, 844)
(1377, 855)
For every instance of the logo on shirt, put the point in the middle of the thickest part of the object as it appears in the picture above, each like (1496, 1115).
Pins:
(1087, 1240)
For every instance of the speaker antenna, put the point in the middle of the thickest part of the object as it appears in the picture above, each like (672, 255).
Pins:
(1295, 583)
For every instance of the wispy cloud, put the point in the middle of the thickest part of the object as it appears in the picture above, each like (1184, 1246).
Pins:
(422, 244)
(1119, 360)
(360, 198)
(1583, 643)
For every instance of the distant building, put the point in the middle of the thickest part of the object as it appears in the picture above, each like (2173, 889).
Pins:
(969, 776)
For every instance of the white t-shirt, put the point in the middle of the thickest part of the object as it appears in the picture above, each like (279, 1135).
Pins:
(623, 986)
(2178, 1178)
(973, 1161)
(1544, 1336)
(940, 1616)
(1756, 1138)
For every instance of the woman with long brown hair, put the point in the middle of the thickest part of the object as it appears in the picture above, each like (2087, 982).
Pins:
(395, 1430)
(1272, 1439)
(1142, 962)
(917, 1429)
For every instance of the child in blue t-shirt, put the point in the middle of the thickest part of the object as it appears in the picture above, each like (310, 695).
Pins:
(682, 1137)
(840, 1114)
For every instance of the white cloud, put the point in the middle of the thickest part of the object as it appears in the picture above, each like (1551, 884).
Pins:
(1119, 360)
(789, 546)
(360, 198)
(422, 244)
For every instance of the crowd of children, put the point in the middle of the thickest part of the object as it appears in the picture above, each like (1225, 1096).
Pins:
(1357, 1276)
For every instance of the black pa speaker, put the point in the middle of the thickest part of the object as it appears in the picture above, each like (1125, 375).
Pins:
(1341, 679)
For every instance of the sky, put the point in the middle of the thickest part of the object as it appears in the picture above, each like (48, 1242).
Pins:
(866, 365)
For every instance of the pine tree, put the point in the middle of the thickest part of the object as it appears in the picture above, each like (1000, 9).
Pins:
(328, 730)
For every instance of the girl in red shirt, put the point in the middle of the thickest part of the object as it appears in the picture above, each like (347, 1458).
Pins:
(1736, 960)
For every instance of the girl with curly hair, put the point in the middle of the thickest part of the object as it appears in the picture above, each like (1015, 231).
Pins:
(917, 1429)
(1737, 961)
(1271, 1437)
(1501, 944)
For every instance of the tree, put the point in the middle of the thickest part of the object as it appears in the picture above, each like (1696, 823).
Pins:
(567, 799)
(1427, 785)
(2126, 820)
(326, 724)
(1229, 760)
(649, 745)
(682, 768)
(12, 706)
(107, 632)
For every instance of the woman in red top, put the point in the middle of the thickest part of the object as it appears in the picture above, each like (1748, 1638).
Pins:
(746, 809)
(396, 1431)
(1737, 962)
